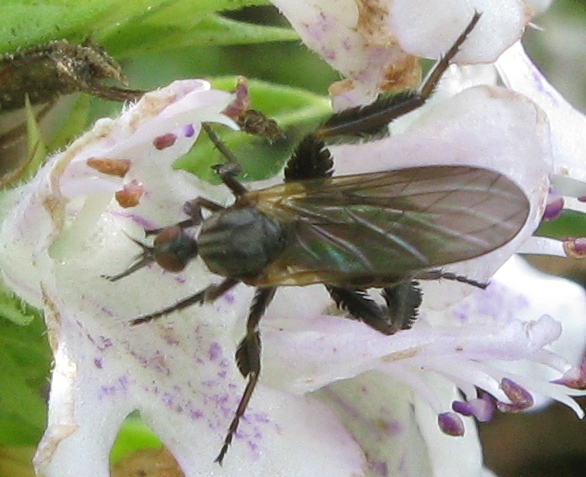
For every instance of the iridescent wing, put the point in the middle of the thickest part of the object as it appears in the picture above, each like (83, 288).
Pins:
(378, 227)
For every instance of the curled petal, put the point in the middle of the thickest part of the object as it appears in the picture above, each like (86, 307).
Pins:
(567, 124)
(426, 28)
(374, 43)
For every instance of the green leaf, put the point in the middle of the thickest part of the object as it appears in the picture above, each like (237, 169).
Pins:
(14, 309)
(128, 26)
(75, 122)
(570, 223)
(17, 461)
(133, 435)
(194, 32)
(24, 371)
(36, 147)
(297, 112)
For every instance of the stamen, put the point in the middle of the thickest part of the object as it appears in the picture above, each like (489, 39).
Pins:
(188, 130)
(451, 424)
(521, 399)
(482, 408)
(555, 205)
(111, 167)
(164, 141)
(575, 248)
(575, 377)
(130, 194)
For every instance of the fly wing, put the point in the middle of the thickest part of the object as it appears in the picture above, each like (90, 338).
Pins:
(391, 223)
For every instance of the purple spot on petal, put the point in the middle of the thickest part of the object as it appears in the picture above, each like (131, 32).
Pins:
(394, 427)
(497, 302)
(261, 417)
(328, 54)
(171, 340)
(253, 445)
(228, 298)
(124, 382)
(214, 352)
(178, 278)
(460, 315)
(379, 467)
(194, 415)
(108, 390)
(542, 85)
(98, 363)
(104, 343)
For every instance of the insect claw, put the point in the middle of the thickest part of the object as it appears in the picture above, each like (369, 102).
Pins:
(228, 169)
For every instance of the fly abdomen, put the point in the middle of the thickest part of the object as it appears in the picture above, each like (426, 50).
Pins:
(240, 242)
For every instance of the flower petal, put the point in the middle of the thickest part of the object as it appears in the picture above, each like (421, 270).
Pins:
(567, 124)
(374, 43)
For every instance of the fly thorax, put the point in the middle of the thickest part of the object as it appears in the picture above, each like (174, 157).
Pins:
(240, 242)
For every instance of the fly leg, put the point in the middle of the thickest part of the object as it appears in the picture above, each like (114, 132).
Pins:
(402, 301)
(193, 209)
(372, 119)
(438, 274)
(248, 360)
(231, 168)
(312, 159)
(207, 295)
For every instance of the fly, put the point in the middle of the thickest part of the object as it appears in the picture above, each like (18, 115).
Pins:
(382, 230)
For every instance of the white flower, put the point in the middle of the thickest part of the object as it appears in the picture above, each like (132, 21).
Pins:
(67, 228)
(335, 397)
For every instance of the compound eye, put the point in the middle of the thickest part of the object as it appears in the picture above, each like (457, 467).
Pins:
(174, 248)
